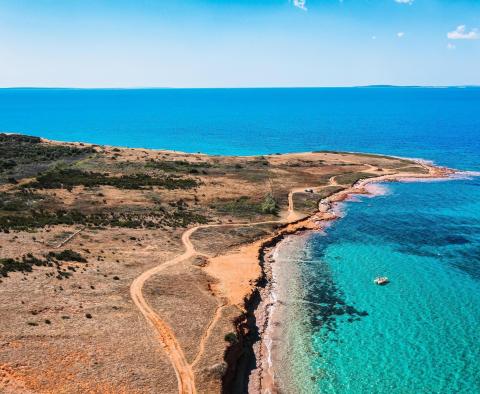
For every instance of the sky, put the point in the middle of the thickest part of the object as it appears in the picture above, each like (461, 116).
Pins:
(238, 43)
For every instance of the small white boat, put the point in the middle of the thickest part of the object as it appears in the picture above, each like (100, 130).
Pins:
(381, 280)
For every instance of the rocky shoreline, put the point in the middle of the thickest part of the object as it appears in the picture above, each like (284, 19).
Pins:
(250, 360)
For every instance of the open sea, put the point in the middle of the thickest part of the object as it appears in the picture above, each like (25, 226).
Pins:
(341, 334)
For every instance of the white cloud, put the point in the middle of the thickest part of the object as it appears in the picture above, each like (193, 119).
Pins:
(404, 1)
(450, 46)
(400, 34)
(302, 4)
(461, 33)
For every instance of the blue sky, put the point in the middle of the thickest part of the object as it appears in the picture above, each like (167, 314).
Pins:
(234, 43)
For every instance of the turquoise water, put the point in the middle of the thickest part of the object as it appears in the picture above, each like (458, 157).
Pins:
(419, 334)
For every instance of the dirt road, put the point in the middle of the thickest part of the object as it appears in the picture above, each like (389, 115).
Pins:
(183, 369)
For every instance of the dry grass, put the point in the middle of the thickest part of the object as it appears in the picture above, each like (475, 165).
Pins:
(47, 342)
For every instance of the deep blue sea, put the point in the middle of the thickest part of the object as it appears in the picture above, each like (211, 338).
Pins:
(421, 333)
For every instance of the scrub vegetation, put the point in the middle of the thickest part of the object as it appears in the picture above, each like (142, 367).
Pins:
(81, 224)
(69, 177)
(23, 156)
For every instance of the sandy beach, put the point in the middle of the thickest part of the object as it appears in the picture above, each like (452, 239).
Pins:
(268, 316)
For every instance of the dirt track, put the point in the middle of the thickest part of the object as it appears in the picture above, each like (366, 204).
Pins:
(183, 369)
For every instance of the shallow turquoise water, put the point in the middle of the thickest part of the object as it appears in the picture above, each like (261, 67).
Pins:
(419, 334)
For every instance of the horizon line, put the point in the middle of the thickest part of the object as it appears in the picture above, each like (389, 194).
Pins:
(234, 87)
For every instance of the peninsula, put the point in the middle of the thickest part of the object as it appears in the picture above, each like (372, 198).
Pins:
(136, 270)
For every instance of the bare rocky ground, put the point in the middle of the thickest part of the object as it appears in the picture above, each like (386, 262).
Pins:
(78, 223)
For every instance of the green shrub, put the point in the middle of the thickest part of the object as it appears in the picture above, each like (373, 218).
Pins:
(245, 206)
(11, 265)
(18, 201)
(177, 166)
(19, 150)
(25, 264)
(269, 205)
(70, 177)
(32, 219)
(231, 337)
(67, 255)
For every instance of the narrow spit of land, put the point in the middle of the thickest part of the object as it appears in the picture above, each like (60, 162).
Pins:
(127, 270)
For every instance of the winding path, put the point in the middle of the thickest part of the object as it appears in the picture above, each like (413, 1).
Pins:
(170, 344)
(184, 369)
(166, 335)
(208, 331)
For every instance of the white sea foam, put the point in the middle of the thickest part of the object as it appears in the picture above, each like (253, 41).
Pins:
(465, 175)
(338, 209)
(427, 180)
(377, 189)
